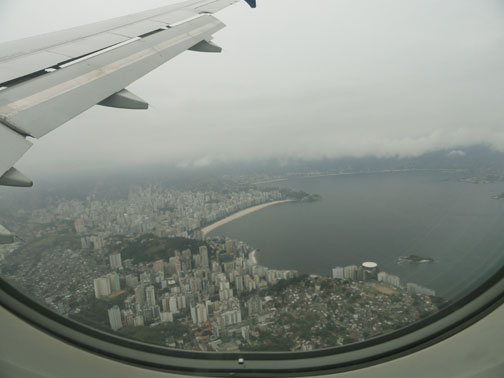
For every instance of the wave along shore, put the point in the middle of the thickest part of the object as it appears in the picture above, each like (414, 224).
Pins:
(239, 214)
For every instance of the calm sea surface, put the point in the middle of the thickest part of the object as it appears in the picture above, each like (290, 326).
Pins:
(379, 217)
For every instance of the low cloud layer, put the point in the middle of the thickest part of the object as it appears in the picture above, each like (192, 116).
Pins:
(312, 79)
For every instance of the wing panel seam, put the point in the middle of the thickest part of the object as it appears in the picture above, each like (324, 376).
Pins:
(28, 102)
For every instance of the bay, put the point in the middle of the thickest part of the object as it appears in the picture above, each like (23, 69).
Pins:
(379, 217)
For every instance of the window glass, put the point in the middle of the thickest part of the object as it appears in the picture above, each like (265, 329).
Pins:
(334, 175)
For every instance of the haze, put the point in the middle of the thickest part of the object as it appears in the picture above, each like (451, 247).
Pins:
(309, 79)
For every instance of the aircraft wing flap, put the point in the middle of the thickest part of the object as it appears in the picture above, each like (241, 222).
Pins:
(40, 105)
(26, 64)
(37, 53)
(31, 55)
(11, 49)
(13, 147)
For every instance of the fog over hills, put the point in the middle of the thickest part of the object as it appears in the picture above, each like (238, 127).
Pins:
(359, 78)
(471, 161)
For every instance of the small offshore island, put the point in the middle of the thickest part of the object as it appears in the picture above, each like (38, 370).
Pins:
(415, 259)
(499, 197)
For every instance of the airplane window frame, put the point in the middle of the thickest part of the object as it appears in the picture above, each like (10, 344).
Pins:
(431, 330)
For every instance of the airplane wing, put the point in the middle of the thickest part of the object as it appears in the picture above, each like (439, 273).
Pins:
(49, 79)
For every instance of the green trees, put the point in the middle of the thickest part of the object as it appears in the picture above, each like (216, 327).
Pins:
(148, 248)
(155, 335)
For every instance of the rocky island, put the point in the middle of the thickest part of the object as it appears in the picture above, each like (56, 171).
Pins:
(311, 198)
(415, 259)
(499, 197)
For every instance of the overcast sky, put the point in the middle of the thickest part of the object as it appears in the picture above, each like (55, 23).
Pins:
(312, 78)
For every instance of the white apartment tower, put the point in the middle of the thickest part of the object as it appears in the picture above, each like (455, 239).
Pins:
(338, 273)
(115, 261)
(102, 287)
(114, 314)
(150, 296)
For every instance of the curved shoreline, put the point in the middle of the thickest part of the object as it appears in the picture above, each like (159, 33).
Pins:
(206, 230)
(252, 257)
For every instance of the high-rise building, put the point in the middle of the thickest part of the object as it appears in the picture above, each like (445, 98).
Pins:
(166, 317)
(389, 278)
(114, 314)
(201, 310)
(199, 313)
(338, 273)
(102, 287)
(186, 259)
(239, 284)
(115, 261)
(271, 276)
(145, 278)
(150, 296)
(173, 305)
(229, 247)
(79, 226)
(225, 294)
(139, 321)
(181, 301)
(245, 332)
(254, 306)
(228, 266)
(194, 315)
(203, 250)
(231, 317)
(115, 283)
(140, 295)
(197, 261)
(129, 318)
(158, 266)
(171, 268)
(350, 272)
(394, 280)
(97, 242)
(417, 289)
(165, 303)
(223, 284)
(131, 281)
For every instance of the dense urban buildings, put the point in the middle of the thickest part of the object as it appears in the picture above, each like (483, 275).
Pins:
(142, 267)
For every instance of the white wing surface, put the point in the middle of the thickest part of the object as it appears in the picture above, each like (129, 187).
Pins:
(49, 79)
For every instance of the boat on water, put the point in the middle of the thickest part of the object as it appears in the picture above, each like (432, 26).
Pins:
(415, 259)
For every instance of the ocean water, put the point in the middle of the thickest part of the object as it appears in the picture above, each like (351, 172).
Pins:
(379, 217)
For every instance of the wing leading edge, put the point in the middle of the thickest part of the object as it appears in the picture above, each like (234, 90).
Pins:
(46, 81)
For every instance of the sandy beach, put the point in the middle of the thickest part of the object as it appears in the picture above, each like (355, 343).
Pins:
(239, 214)
(268, 181)
(252, 257)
